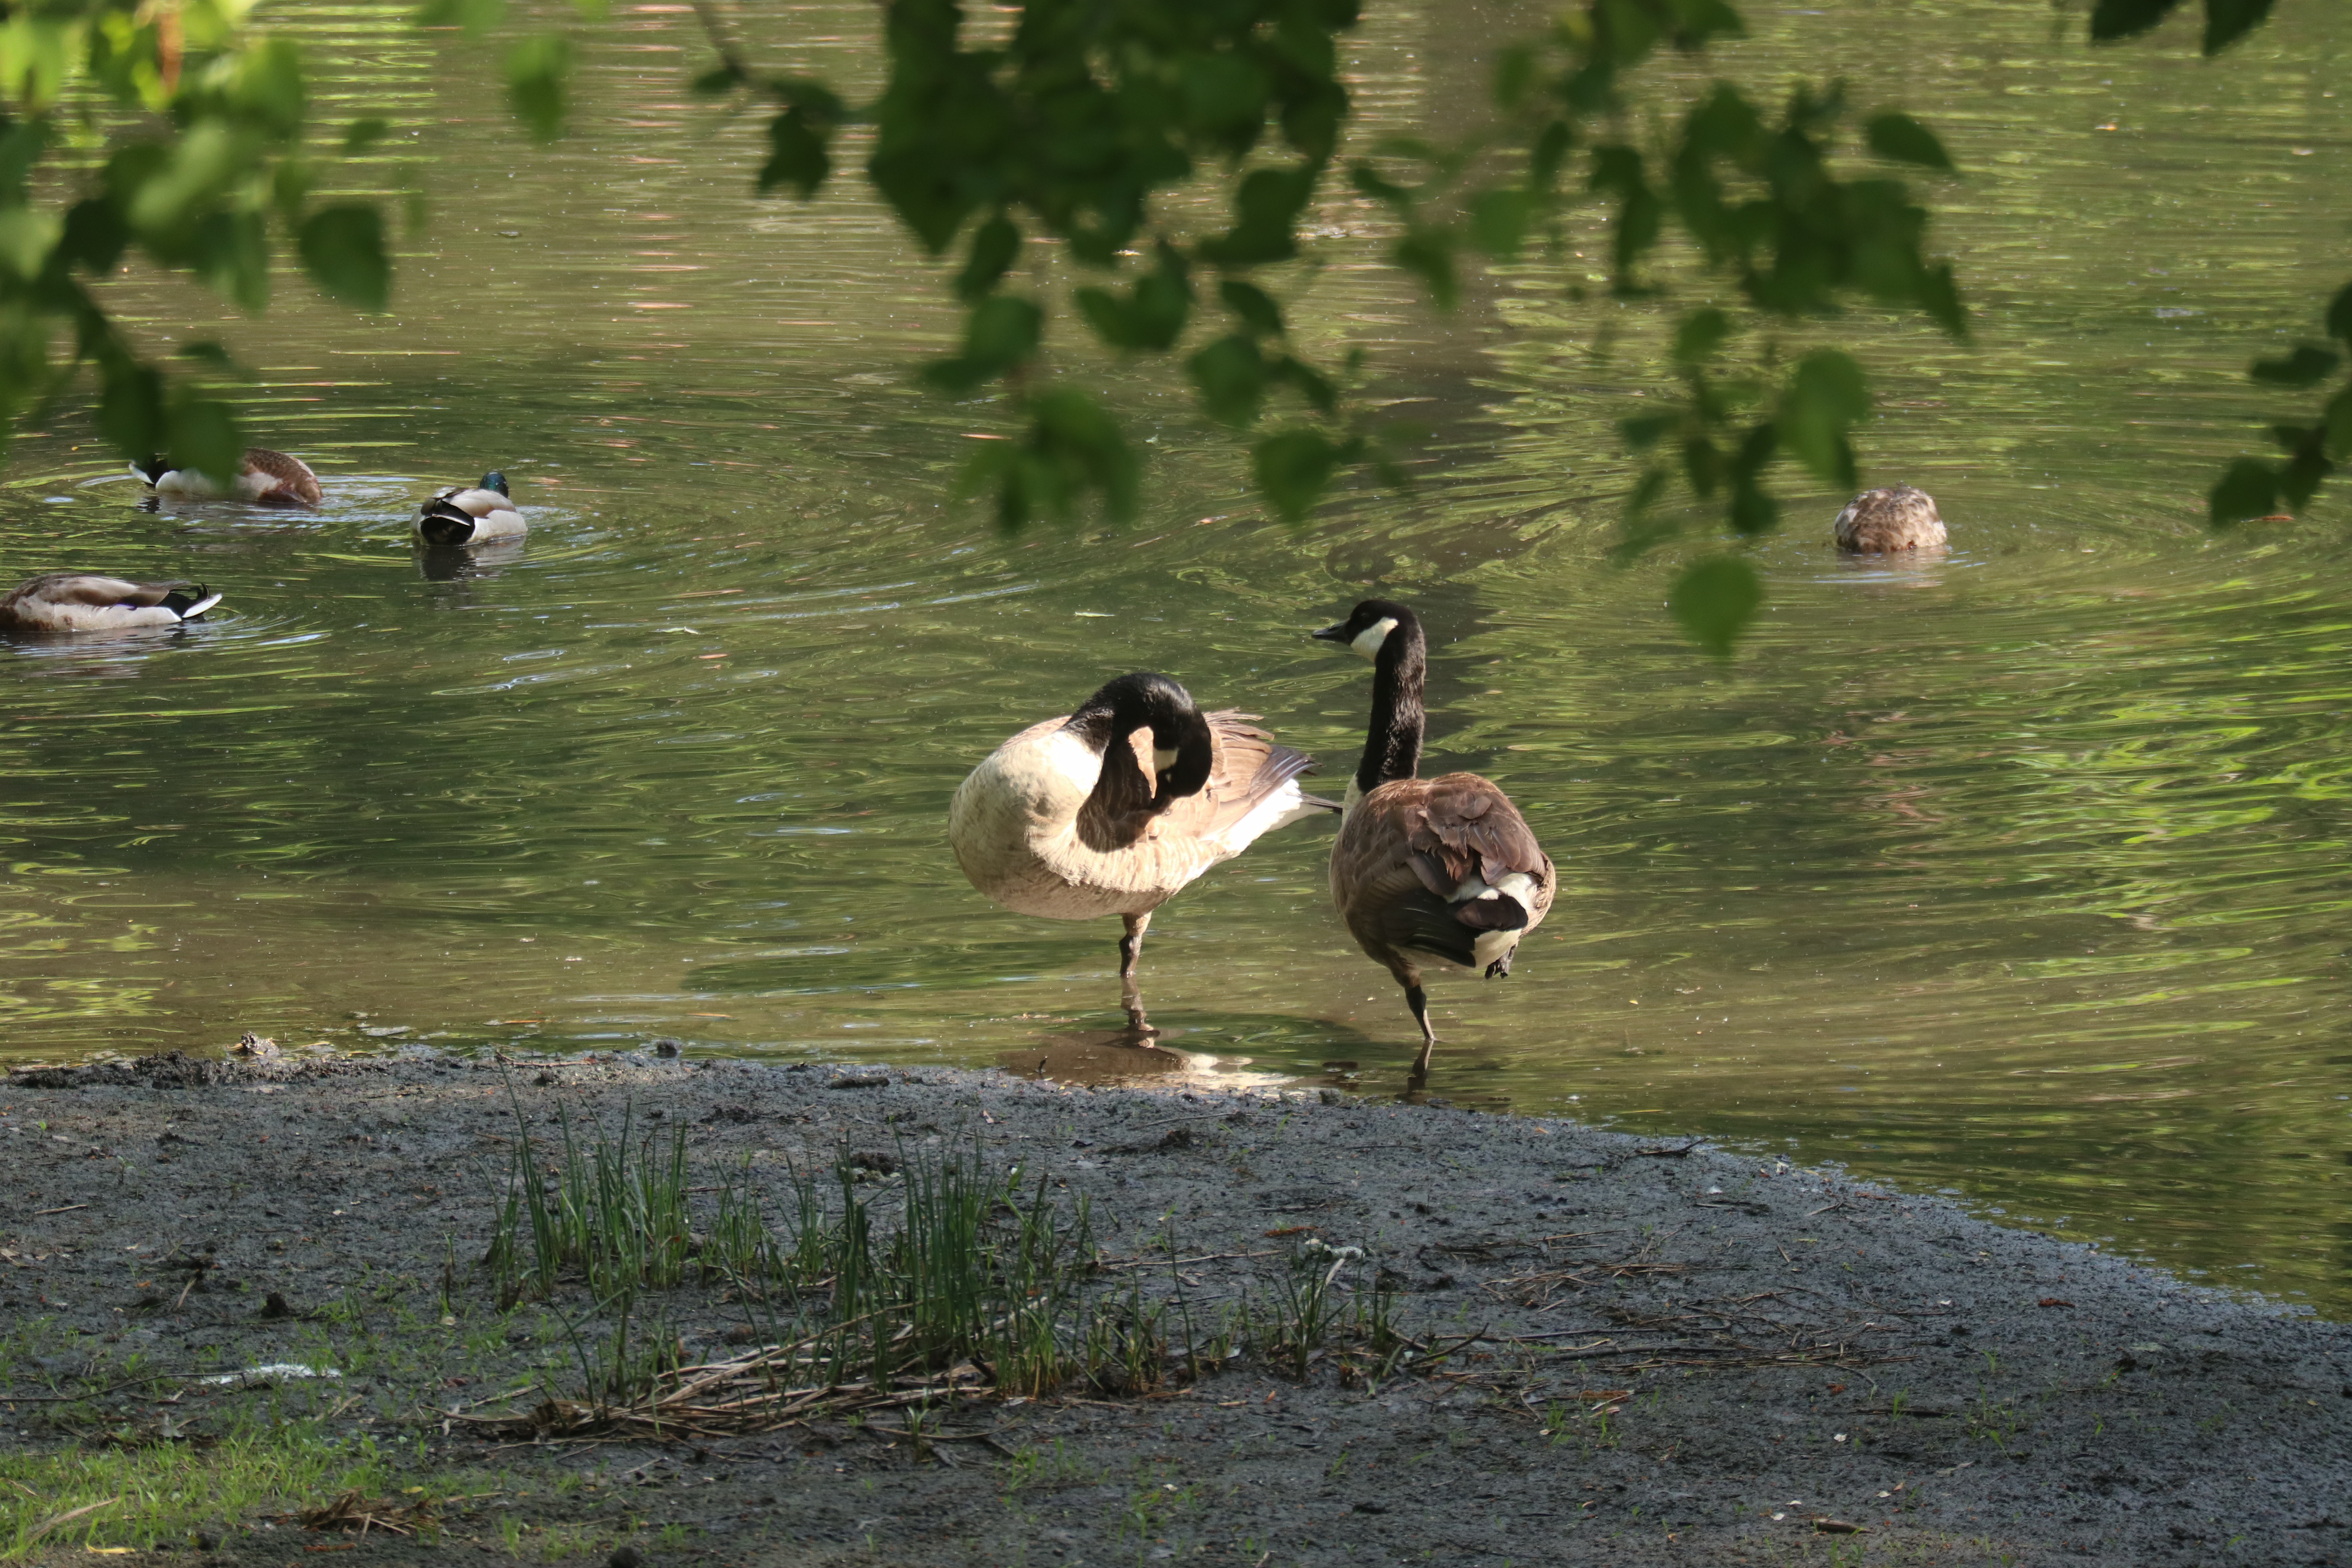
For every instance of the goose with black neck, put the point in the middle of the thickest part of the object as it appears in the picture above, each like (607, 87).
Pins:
(1115, 808)
(1443, 869)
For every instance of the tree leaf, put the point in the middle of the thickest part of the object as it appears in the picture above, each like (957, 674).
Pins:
(796, 156)
(994, 246)
(2113, 19)
(201, 432)
(362, 134)
(1253, 305)
(538, 74)
(1753, 509)
(475, 17)
(1647, 430)
(1294, 468)
(131, 407)
(95, 236)
(342, 249)
(269, 87)
(1428, 254)
(1499, 220)
(2337, 441)
(1265, 209)
(1368, 182)
(2339, 315)
(1827, 397)
(2306, 366)
(1903, 140)
(1230, 374)
(1311, 383)
(2250, 488)
(1715, 600)
(1699, 334)
(2227, 21)
(1001, 331)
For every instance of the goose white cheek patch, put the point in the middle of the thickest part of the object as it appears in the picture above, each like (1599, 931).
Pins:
(1368, 641)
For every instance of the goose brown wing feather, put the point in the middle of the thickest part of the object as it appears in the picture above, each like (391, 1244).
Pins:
(1246, 765)
(1461, 826)
(1412, 843)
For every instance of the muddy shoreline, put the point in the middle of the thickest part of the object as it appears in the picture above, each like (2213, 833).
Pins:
(1682, 1354)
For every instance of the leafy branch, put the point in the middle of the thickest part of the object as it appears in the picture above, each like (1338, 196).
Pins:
(209, 165)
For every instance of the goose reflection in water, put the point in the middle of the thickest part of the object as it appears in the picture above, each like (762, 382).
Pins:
(1094, 1057)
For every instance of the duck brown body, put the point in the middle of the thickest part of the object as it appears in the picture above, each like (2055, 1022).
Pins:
(263, 477)
(90, 602)
(1884, 521)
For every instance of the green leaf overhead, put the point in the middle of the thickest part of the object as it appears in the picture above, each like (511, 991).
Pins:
(342, 247)
(539, 83)
(2123, 18)
(1906, 140)
(1715, 600)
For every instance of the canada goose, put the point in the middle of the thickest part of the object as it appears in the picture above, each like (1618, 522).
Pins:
(263, 477)
(1444, 867)
(81, 602)
(476, 516)
(1898, 518)
(1082, 816)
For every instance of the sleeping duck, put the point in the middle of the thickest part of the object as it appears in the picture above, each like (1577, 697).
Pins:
(1897, 518)
(459, 516)
(84, 602)
(263, 477)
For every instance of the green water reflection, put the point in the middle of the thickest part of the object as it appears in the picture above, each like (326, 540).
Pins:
(2022, 873)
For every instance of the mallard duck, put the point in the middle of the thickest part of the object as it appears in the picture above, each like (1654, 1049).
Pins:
(263, 477)
(1897, 518)
(1113, 809)
(1444, 867)
(84, 602)
(461, 516)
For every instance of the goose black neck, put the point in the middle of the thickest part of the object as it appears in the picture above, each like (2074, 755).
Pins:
(1392, 743)
(1105, 720)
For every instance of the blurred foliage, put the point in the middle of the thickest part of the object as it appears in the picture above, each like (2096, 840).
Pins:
(1088, 132)
(2254, 487)
(215, 163)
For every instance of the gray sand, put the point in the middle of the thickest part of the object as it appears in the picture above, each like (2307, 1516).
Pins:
(1791, 1346)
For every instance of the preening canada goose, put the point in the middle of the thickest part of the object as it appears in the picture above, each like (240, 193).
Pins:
(264, 477)
(1883, 521)
(81, 602)
(1444, 867)
(1088, 816)
(462, 516)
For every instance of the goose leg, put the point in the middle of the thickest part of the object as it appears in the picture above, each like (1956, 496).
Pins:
(1130, 947)
(1418, 1000)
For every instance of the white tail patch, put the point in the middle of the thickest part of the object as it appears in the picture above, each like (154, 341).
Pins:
(1283, 807)
(200, 606)
(1492, 946)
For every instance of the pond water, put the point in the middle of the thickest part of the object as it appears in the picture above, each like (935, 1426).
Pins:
(2021, 874)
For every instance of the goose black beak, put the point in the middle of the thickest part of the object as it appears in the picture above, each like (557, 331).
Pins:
(1332, 634)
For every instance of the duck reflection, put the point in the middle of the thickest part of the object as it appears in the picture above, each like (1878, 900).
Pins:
(459, 563)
